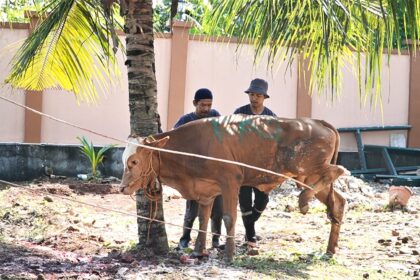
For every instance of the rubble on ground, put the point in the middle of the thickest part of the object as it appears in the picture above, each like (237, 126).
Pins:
(358, 193)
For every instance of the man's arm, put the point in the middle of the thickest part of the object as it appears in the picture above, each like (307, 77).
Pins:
(237, 111)
(181, 121)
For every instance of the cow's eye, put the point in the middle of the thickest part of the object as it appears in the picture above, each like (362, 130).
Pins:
(134, 162)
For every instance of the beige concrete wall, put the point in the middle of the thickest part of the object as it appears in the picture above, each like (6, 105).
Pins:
(346, 111)
(218, 67)
(12, 117)
(110, 115)
(163, 62)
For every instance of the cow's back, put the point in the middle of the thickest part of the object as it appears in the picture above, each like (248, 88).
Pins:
(292, 146)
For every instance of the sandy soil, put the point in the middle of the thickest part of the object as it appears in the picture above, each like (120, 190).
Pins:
(43, 236)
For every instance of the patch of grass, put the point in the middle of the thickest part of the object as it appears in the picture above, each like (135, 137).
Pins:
(28, 216)
(39, 230)
(108, 244)
(317, 208)
(316, 265)
(294, 264)
(272, 266)
(355, 214)
(387, 207)
(362, 208)
(130, 245)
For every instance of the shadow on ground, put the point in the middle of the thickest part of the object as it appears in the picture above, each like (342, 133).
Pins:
(297, 267)
(29, 261)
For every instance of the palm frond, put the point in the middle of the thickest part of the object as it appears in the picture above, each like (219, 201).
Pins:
(70, 50)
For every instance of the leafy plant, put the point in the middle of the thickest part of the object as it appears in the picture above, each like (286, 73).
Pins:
(14, 10)
(94, 157)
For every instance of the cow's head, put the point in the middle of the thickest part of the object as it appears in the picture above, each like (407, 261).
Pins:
(139, 170)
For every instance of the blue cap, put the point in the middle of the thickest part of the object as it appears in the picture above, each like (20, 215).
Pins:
(259, 86)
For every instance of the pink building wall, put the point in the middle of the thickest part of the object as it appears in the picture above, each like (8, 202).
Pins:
(347, 111)
(11, 116)
(214, 65)
(110, 115)
(218, 67)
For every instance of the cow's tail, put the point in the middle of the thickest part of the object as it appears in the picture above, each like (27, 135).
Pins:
(337, 142)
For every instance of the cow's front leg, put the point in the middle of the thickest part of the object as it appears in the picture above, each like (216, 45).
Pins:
(230, 202)
(204, 211)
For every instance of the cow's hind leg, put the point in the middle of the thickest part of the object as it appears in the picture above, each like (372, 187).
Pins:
(319, 182)
(203, 216)
(335, 209)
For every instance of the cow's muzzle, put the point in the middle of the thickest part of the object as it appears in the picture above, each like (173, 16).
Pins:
(131, 187)
(124, 189)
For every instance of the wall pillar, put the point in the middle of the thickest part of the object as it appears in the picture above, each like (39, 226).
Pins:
(178, 72)
(303, 98)
(413, 140)
(33, 99)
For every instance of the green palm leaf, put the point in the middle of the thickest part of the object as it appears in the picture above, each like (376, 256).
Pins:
(69, 50)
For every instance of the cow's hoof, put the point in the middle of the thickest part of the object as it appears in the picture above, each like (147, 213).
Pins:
(219, 246)
(199, 256)
(304, 197)
(252, 252)
(331, 252)
(228, 261)
(252, 249)
(328, 256)
(304, 209)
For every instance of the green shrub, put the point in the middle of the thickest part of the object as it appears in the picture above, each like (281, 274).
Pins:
(94, 157)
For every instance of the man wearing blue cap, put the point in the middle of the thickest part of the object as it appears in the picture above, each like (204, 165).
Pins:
(203, 101)
(257, 93)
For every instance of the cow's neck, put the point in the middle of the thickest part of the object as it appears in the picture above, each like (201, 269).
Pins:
(168, 168)
(156, 163)
(162, 163)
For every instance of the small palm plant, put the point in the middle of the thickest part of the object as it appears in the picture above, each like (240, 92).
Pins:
(94, 157)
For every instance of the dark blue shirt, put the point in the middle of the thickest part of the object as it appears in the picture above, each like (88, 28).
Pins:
(193, 116)
(246, 110)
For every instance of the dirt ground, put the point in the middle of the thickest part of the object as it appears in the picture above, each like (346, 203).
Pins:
(43, 236)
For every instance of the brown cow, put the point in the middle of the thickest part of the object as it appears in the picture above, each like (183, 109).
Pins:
(299, 148)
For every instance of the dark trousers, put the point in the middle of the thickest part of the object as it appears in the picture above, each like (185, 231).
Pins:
(191, 213)
(251, 210)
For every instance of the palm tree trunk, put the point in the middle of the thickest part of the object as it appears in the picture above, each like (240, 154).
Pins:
(144, 121)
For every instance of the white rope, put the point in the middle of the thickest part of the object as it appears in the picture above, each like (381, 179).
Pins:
(104, 208)
(159, 149)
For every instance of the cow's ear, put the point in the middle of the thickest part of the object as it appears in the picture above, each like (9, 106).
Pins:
(160, 143)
